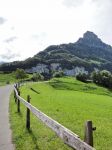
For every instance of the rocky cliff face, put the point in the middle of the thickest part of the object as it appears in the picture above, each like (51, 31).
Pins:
(45, 69)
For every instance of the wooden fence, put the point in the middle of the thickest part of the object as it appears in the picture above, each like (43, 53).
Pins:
(65, 134)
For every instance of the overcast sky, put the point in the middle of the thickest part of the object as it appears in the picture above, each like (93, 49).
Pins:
(29, 26)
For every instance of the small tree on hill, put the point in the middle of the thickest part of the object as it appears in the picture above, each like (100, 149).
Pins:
(58, 74)
(96, 77)
(20, 74)
(103, 78)
(82, 77)
(37, 77)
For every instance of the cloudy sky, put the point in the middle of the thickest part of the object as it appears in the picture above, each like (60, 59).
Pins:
(29, 26)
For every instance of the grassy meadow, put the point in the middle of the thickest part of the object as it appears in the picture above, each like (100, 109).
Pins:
(8, 78)
(71, 103)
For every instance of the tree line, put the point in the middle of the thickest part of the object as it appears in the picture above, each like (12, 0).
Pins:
(102, 78)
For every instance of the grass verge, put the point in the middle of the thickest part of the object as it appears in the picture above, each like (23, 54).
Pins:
(66, 101)
(8, 78)
(38, 138)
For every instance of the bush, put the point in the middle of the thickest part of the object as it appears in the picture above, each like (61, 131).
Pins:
(82, 77)
(58, 74)
(37, 77)
(103, 78)
(20, 74)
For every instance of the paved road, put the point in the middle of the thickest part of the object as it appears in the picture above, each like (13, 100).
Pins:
(5, 132)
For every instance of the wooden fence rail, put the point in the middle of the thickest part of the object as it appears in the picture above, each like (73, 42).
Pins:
(65, 134)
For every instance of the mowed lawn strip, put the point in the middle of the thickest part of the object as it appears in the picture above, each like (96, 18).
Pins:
(71, 103)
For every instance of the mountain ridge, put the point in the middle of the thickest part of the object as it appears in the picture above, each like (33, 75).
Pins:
(88, 52)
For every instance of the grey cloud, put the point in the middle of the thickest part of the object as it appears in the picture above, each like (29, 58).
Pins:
(73, 3)
(11, 39)
(103, 18)
(76, 3)
(2, 20)
(100, 3)
(1, 62)
(12, 28)
(39, 36)
(35, 36)
(9, 55)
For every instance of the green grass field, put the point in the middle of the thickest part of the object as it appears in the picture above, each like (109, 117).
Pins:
(8, 78)
(69, 102)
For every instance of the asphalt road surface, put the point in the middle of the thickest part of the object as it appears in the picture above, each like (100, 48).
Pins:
(5, 131)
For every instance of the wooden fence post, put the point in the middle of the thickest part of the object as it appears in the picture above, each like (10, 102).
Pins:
(16, 86)
(89, 133)
(28, 114)
(18, 104)
(15, 96)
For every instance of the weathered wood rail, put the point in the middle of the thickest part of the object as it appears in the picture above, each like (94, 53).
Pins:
(65, 134)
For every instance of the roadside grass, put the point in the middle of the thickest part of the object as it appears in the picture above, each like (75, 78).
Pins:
(39, 137)
(69, 102)
(8, 78)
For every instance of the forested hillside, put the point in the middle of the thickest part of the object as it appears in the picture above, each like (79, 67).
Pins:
(88, 52)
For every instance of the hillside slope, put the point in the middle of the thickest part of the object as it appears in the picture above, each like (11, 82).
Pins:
(88, 52)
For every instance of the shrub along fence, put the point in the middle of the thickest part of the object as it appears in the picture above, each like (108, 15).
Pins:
(65, 134)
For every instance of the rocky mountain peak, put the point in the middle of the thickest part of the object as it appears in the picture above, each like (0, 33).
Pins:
(90, 35)
(90, 38)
